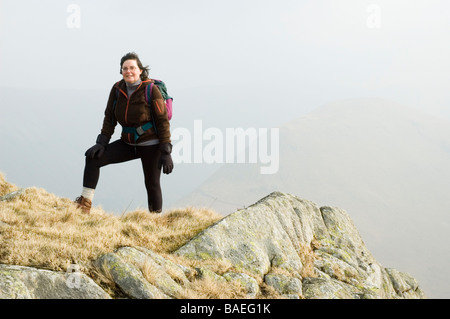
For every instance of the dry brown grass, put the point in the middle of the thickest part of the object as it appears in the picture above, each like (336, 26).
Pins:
(5, 187)
(210, 288)
(308, 256)
(50, 232)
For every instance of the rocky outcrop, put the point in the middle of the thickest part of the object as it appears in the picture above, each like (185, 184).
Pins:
(282, 243)
(18, 282)
(318, 250)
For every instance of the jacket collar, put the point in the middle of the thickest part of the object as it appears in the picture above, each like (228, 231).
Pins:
(122, 85)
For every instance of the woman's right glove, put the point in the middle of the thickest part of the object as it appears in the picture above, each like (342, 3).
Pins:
(98, 149)
(166, 160)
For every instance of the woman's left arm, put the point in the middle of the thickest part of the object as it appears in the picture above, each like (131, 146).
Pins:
(160, 116)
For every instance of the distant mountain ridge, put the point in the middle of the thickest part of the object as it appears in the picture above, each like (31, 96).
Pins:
(383, 162)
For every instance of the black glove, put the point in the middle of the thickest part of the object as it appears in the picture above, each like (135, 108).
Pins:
(98, 149)
(166, 160)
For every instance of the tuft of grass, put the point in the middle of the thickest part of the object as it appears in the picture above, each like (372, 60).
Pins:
(5, 187)
(209, 288)
(308, 256)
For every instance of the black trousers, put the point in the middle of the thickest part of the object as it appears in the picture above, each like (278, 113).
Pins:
(119, 152)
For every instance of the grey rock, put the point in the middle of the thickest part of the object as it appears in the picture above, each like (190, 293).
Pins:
(320, 288)
(285, 285)
(128, 277)
(277, 229)
(12, 195)
(249, 283)
(18, 282)
(203, 273)
(404, 284)
(157, 267)
(268, 234)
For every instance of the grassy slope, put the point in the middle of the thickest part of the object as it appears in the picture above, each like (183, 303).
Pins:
(45, 231)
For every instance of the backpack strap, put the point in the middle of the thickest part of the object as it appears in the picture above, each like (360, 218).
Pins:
(137, 131)
(148, 95)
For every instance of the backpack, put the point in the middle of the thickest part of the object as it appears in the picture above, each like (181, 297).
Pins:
(167, 99)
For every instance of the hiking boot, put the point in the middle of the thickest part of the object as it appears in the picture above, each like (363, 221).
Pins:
(84, 204)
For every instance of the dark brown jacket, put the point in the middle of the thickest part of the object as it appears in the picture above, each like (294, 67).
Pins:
(133, 111)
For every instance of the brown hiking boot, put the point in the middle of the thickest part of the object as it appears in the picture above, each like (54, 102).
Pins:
(84, 204)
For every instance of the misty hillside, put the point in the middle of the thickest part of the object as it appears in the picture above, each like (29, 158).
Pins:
(385, 163)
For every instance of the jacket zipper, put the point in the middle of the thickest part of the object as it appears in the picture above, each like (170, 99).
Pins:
(128, 104)
(129, 98)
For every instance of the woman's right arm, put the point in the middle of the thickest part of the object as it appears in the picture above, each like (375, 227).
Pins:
(110, 121)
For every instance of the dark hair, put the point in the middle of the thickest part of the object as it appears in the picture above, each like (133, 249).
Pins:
(134, 56)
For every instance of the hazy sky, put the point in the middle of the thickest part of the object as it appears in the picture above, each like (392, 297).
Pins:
(321, 49)
(235, 63)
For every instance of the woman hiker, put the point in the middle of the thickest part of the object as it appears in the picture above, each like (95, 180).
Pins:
(127, 105)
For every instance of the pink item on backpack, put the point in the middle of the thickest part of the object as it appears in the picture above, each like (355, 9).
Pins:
(169, 108)
(167, 101)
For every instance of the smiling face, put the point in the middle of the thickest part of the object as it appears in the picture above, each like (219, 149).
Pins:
(131, 71)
